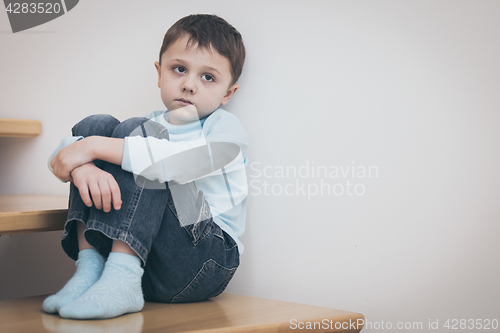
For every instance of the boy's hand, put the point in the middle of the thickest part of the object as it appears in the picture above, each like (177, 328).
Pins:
(71, 157)
(101, 184)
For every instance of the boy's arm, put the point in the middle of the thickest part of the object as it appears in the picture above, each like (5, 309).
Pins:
(222, 146)
(84, 151)
(182, 162)
(158, 158)
(189, 162)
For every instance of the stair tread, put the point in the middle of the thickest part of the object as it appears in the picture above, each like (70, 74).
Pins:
(32, 213)
(26, 128)
(225, 313)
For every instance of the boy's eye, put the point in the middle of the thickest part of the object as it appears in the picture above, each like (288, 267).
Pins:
(208, 77)
(180, 69)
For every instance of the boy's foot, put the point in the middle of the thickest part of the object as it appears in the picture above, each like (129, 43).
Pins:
(117, 292)
(89, 267)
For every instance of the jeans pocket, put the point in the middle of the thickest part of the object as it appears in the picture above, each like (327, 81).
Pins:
(209, 282)
(192, 211)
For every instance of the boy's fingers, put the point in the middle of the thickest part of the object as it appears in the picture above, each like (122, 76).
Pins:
(96, 194)
(84, 194)
(115, 193)
(106, 198)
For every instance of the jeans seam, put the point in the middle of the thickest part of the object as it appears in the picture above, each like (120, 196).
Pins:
(132, 209)
(230, 249)
(198, 275)
(172, 209)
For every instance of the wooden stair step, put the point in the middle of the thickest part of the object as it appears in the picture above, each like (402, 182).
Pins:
(21, 213)
(23, 128)
(225, 313)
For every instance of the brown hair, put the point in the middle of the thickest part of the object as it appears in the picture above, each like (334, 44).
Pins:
(209, 31)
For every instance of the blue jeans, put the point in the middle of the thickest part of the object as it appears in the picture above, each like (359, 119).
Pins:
(181, 263)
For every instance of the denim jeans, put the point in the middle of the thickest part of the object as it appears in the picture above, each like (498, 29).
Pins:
(181, 263)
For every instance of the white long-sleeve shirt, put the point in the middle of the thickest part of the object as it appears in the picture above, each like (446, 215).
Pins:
(211, 152)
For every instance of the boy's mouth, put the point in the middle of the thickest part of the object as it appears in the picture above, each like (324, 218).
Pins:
(185, 101)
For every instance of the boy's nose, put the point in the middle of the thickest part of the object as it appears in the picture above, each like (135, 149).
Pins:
(189, 85)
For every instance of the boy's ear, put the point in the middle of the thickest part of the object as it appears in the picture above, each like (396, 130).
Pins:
(158, 69)
(230, 92)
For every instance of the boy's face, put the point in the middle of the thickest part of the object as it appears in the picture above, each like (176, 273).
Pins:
(193, 81)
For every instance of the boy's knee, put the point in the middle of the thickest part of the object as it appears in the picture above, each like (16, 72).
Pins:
(140, 126)
(96, 124)
(131, 126)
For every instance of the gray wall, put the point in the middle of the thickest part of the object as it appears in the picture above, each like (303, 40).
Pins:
(409, 88)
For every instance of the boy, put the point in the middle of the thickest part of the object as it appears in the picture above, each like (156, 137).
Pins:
(163, 197)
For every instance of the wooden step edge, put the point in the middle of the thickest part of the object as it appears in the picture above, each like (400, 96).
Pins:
(39, 221)
(19, 128)
(23, 213)
(226, 313)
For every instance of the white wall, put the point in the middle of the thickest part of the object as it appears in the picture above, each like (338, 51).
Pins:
(407, 87)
